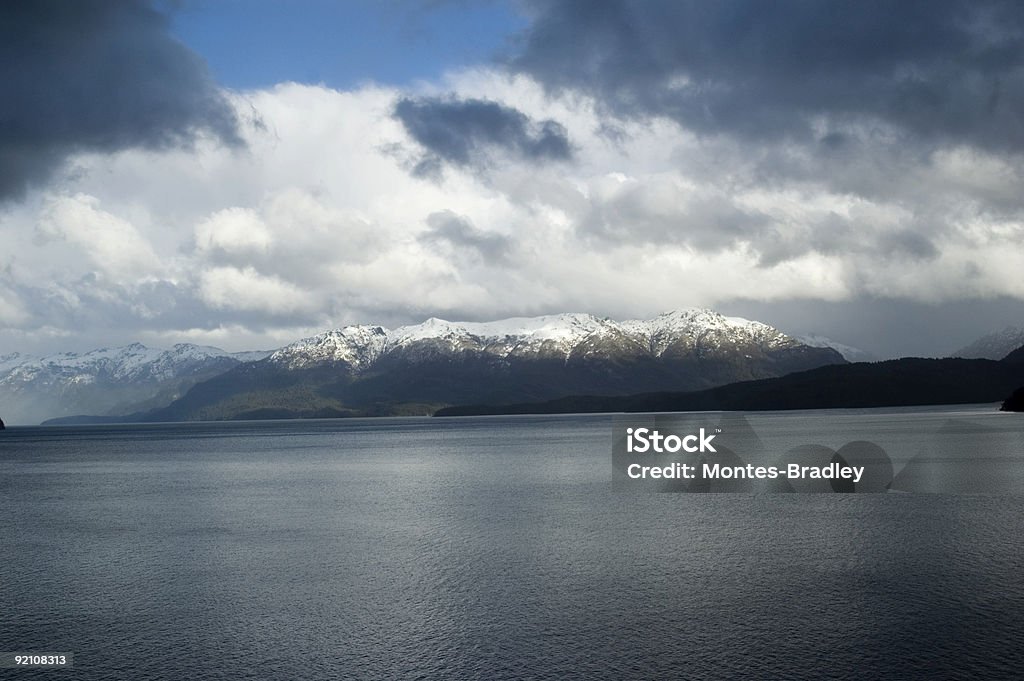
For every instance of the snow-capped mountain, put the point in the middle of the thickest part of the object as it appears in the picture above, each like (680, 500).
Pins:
(994, 345)
(410, 369)
(9, 361)
(415, 369)
(849, 353)
(562, 336)
(362, 346)
(701, 330)
(107, 380)
(519, 336)
(357, 346)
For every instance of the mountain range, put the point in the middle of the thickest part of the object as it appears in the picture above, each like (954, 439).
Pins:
(109, 381)
(849, 353)
(994, 345)
(371, 370)
(420, 368)
(910, 381)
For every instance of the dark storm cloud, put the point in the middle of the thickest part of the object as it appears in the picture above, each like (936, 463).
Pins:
(452, 230)
(459, 131)
(96, 75)
(940, 70)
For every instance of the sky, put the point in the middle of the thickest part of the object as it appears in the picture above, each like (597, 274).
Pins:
(243, 174)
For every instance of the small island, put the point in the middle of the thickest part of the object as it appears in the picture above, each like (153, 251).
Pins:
(1014, 402)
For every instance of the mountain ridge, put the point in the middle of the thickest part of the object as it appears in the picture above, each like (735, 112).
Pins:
(522, 335)
(849, 353)
(908, 381)
(360, 370)
(369, 369)
(106, 380)
(995, 345)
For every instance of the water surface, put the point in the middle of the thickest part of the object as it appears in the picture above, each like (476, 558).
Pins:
(489, 548)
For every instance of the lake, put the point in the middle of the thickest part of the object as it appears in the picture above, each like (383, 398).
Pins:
(497, 548)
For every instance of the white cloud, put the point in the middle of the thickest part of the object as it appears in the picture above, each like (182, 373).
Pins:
(233, 231)
(319, 222)
(111, 244)
(246, 289)
(12, 311)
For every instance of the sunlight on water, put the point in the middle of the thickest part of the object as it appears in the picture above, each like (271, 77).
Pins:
(491, 548)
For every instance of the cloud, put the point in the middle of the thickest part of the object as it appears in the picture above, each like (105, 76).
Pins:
(462, 131)
(111, 244)
(291, 234)
(97, 75)
(318, 225)
(233, 231)
(12, 312)
(668, 210)
(935, 71)
(456, 232)
(888, 326)
(247, 289)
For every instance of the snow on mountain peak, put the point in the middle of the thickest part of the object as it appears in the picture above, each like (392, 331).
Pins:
(994, 345)
(550, 335)
(558, 334)
(11, 360)
(127, 362)
(359, 346)
(849, 353)
(700, 326)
